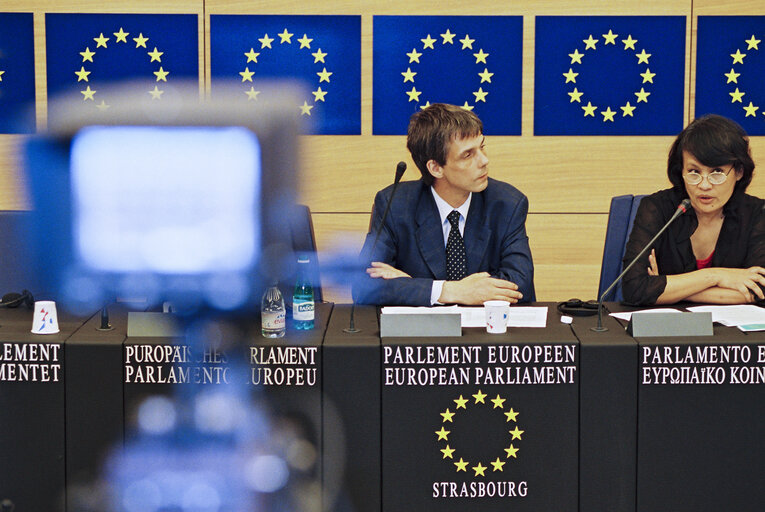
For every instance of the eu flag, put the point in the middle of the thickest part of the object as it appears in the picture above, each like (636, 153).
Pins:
(730, 69)
(17, 73)
(470, 61)
(323, 53)
(88, 52)
(609, 75)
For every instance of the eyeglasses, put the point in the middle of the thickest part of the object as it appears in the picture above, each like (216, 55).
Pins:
(714, 177)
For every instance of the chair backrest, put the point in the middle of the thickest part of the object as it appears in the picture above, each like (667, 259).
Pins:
(621, 215)
(304, 243)
(17, 264)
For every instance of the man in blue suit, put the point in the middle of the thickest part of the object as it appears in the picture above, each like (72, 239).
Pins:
(489, 259)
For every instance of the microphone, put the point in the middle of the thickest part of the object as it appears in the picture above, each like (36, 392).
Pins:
(400, 168)
(681, 209)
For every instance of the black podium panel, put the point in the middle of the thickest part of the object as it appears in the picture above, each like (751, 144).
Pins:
(700, 423)
(607, 416)
(94, 403)
(32, 433)
(481, 422)
(351, 421)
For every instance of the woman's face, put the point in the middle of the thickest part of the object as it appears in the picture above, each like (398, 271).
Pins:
(707, 198)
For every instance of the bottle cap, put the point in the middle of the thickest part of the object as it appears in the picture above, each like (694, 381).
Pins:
(303, 259)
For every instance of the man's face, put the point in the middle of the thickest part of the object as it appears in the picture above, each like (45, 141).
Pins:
(466, 169)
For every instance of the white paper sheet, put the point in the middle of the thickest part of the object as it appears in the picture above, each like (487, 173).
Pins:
(734, 316)
(626, 315)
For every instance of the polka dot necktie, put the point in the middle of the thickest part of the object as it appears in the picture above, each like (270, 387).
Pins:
(456, 266)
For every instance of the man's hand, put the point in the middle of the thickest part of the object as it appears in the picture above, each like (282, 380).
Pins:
(477, 288)
(385, 271)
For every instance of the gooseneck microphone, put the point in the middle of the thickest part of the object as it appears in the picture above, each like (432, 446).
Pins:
(400, 168)
(681, 209)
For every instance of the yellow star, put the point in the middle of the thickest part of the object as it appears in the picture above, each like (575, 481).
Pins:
(480, 56)
(285, 37)
(467, 42)
(428, 42)
(643, 57)
(629, 43)
(648, 76)
(610, 37)
(576, 56)
(102, 106)
(447, 452)
(575, 96)
(589, 43)
(498, 465)
(736, 95)
(156, 93)
(100, 40)
(414, 56)
(1, 76)
(570, 76)
(752, 43)
(448, 37)
(155, 55)
(318, 95)
(265, 41)
(247, 74)
(305, 42)
(627, 110)
(461, 402)
(161, 74)
(516, 433)
(252, 55)
(305, 108)
(140, 40)
(88, 94)
(732, 76)
(511, 415)
(589, 109)
(87, 55)
(409, 75)
(479, 397)
(252, 94)
(426, 105)
(324, 75)
(480, 95)
(498, 402)
(467, 107)
(443, 434)
(318, 56)
(461, 465)
(738, 57)
(485, 76)
(751, 110)
(82, 74)
(121, 36)
(447, 415)
(511, 452)
(479, 469)
(414, 95)
(642, 95)
(608, 114)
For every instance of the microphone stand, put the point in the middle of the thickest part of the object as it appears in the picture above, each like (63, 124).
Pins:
(680, 210)
(400, 168)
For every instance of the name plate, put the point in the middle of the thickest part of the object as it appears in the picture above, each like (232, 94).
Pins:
(646, 325)
(425, 325)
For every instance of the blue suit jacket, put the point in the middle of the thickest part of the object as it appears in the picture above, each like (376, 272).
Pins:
(412, 240)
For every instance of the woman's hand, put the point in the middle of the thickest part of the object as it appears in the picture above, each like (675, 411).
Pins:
(653, 266)
(747, 281)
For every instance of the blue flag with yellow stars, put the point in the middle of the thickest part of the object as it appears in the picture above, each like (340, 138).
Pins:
(17, 73)
(87, 53)
(323, 53)
(470, 61)
(609, 75)
(730, 64)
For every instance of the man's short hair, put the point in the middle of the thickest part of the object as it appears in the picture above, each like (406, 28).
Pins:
(432, 129)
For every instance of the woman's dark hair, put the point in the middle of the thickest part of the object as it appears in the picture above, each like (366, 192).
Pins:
(714, 141)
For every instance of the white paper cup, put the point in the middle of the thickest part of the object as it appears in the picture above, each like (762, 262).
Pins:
(45, 319)
(496, 315)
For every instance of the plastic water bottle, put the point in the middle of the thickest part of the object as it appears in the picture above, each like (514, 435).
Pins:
(272, 313)
(302, 299)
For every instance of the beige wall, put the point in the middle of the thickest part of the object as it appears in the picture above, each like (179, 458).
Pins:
(569, 180)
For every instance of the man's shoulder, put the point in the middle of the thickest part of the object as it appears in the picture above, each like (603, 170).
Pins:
(405, 191)
(501, 191)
